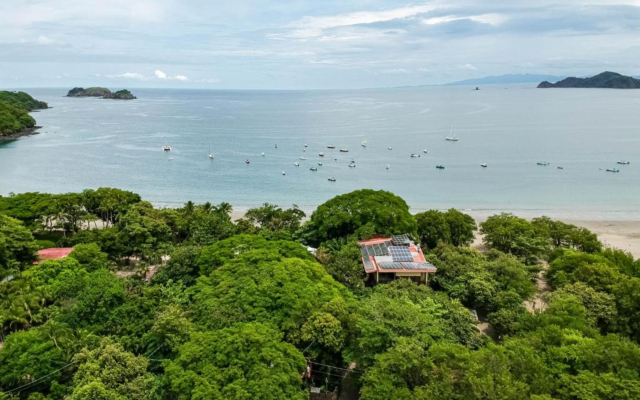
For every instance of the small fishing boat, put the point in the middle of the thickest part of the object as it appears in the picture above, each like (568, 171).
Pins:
(330, 146)
(305, 150)
(283, 173)
(623, 162)
(314, 169)
(305, 145)
(424, 151)
(303, 158)
(364, 143)
(388, 166)
(560, 167)
(321, 154)
(211, 156)
(297, 164)
(352, 164)
(247, 161)
(613, 170)
(319, 163)
(262, 154)
(344, 150)
(543, 163)
(166, 148)
(276, 146)
(389, 148)
(440, 166)
(171, 158)
(331, 179)
(414, 155)
(452, 137)
(483, 165)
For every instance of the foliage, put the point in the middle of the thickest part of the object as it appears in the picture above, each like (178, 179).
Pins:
(181, 267)
(14, 119)
(244, 361)
(109, 372)
(263, 286)
(274, 221)
(21, 100)
(365, 213)
(90, 257)
(514, 235)
(344, 263)
(17, 248)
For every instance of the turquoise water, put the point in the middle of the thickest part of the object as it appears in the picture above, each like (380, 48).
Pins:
(88, 143)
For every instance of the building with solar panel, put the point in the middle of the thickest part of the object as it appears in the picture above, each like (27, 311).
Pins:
(386, 259)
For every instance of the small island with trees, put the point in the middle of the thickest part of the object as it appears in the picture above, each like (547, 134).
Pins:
(605, 80)
(14, 114)
(101, 92)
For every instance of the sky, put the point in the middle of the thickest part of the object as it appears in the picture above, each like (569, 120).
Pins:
(293, 44)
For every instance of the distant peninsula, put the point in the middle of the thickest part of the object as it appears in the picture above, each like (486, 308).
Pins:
(505, 79)
(101, 92)
(605, 80)
(14, 114)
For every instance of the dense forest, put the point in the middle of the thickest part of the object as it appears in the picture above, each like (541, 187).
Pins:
(14, 112)
(162, 303)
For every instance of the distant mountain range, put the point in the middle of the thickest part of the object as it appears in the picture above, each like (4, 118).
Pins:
(605, 80)
(508, 78)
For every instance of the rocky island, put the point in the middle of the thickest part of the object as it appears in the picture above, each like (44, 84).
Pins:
(605, 80)
(14, 114)
(101, 92)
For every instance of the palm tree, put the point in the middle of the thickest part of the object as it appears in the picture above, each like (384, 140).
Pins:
(224, 208)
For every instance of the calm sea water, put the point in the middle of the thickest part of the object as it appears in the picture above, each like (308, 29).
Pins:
(88, 143)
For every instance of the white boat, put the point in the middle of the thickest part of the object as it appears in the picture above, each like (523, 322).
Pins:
(297, 164)
(364, 143)
(262, 154)
(211, 156)
(303, 158)
(424, 151)
(389, 148)
(613, 170)
(388, 166)
(166, 148)
(283, 173)
(247, 161)
(314, 169)
(344, 150)
(331, 179)
(452, 137)
(624, 162)
(543, 163)
(321, 154)
(319, 163)
(305, 145)
(483, 165)
(414, 155)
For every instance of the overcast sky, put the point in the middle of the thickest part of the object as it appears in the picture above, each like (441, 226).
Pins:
(274, 44)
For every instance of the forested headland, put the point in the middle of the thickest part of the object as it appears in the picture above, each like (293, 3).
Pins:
(185, 303)
(14, 113)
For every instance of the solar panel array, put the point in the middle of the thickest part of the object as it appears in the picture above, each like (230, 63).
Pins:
(408, 265)
(400, 254)
(401, 240)
(373, 250)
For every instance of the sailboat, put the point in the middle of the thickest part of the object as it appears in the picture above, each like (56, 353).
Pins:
(166, 148)
(452, 137)
(364, 143)
(211, 156)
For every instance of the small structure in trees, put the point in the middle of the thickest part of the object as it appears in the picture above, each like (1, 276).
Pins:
(386, 259)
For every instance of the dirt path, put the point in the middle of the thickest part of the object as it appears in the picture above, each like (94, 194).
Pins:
(539, 302)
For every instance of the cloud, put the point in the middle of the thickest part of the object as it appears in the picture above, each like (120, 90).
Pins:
(128, 75)
(395, 71)
(468, 67)
(181, 78)
(160, 75)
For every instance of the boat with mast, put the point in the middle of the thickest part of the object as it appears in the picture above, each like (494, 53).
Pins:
(452, 136)
(211, 156)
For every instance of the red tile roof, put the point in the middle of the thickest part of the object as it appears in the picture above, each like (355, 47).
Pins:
(54, 253)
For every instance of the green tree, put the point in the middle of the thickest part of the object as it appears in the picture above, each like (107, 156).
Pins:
(433, 228)
(364, 213)
(109, 372)
(514, 235)
(343, 263)
(17, 247)
(90, 257)
(245, 361)
(280, 222)
(181, 267)
(461, 227)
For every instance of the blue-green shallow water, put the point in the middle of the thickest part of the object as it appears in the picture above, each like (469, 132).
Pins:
(88, 143)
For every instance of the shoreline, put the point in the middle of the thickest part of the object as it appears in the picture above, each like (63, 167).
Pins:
(22, 133)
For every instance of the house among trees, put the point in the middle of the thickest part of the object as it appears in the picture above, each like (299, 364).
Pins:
(386, 259)
(54, 253)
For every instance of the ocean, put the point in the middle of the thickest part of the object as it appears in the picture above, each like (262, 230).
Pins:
(90, 143)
